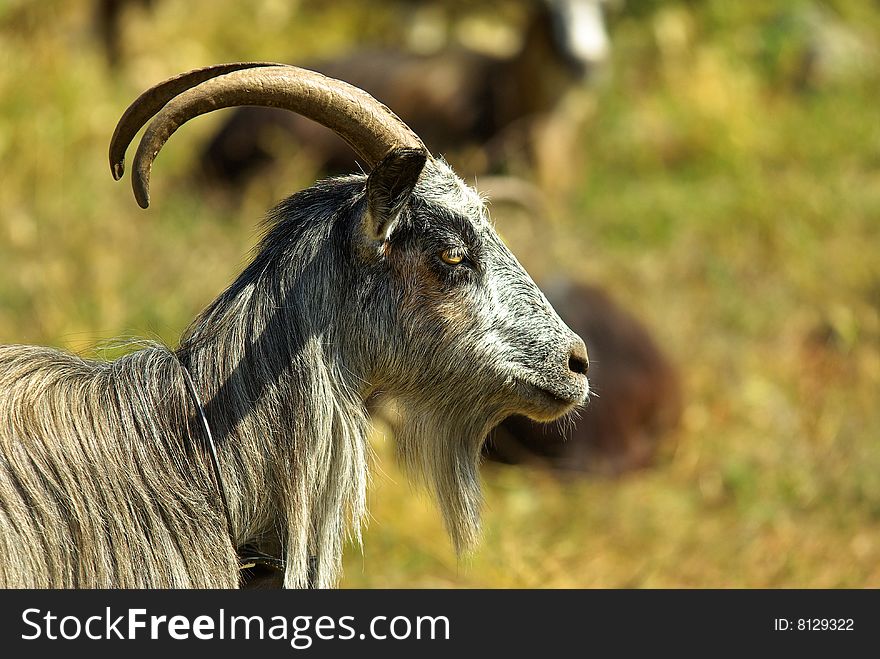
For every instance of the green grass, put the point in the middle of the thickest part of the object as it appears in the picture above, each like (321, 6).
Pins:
(732, 208)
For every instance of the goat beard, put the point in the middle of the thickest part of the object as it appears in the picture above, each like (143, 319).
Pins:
(441, 448)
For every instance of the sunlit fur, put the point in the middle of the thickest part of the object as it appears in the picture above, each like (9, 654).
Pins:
(104, 475)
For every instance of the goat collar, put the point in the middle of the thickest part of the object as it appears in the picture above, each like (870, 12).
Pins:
(212, 446)
(249, 556)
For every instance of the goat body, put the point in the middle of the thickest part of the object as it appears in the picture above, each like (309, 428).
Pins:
(102, 480)
(458, 100)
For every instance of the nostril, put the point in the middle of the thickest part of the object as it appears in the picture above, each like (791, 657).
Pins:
(578, 365)
(578, 362)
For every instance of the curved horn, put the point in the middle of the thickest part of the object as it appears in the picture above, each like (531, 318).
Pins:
(368, 126)
(154, 99)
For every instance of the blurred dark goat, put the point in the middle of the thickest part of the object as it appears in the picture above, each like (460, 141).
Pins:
(457, 99)
(108, 16)
(638, 395)
(113, 474)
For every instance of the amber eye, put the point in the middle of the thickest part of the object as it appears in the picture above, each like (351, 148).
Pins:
(452, 256)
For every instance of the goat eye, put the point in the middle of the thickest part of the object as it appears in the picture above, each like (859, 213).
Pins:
(452, 256)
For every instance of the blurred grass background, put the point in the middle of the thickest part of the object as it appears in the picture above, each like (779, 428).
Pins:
(724, 195)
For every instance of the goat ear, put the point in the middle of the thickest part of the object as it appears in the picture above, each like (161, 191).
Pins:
(389, 187)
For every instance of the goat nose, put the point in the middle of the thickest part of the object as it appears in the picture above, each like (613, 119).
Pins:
(578, 361)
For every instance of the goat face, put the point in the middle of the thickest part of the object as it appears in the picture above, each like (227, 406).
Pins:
(579, 33)
(472, 338)
(469, 323)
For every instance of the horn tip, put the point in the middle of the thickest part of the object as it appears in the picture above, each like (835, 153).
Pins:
(117, 169)
(142, 195)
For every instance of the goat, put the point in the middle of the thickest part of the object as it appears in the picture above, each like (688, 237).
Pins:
(456, 99)
(391, 283)
(107, 20)
(638, 395)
